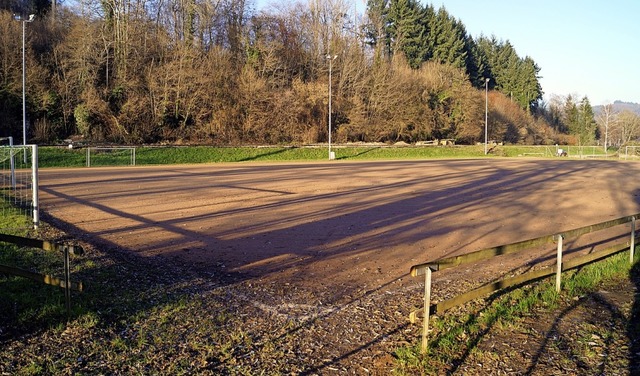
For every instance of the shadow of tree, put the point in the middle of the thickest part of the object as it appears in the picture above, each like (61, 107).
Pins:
(369, 150)
(633, 327)
(594, 303)
(587, 335)
(486, 308)
(266, 154)
(283, 238)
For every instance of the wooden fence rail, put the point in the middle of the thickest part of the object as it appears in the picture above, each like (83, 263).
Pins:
(426, 269)
(44, 278)
(64, 282)
(41, 244)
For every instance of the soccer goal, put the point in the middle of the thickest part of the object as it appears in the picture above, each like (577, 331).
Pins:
(111, 156)
(631, 152)
(18, 183)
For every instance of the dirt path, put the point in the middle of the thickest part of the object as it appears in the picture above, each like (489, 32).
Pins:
(330, 244)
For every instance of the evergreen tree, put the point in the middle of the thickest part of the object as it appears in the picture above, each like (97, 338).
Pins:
(26, 7)
(478, 67)
(487, 49)
(407, 31)
(447, 40)
(587, 127)
(506, 69)
(528, 87)
(423, 34)
(377, 30)
(571, 116)
(515, 77)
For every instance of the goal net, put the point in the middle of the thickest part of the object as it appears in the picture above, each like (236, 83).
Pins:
(632, 152)
(111, 156)
(18, 185)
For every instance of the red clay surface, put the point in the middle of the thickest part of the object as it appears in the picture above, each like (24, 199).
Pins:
(328, 219)
(333, 228)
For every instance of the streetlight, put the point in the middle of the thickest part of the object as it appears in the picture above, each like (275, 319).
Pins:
(486, 112)
(331, 59)
(24, 80)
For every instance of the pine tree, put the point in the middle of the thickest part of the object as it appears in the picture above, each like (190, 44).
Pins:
(377, 30)
(423, 34)
(515, 77)
(407, 30)
(528, 86)
(570, 117)
(447, 40)
(587, 126)
(478, 67)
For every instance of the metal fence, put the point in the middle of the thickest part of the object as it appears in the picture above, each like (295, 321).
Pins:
(19, 180)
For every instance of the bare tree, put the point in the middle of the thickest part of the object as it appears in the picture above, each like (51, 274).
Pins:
(627, 127)
(215, 71)
(607, 119)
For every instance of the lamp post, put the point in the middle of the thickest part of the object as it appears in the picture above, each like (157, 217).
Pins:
(331, 59)
(24, 80)
(486, 112)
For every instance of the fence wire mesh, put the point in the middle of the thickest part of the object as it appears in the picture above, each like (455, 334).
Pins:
(18, 186)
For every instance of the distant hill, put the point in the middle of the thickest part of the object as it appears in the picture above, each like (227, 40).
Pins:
(619, 106)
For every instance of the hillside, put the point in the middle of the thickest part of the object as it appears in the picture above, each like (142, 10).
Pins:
(235, 76)
(620, 106)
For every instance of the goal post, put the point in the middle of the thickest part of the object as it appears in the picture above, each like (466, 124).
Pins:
(632, 152)
(111, 156)
(19, 179)
(11, 157)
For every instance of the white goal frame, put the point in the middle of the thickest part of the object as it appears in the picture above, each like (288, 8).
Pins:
(626, 151)
(23, 178)
(12, 161)
(131, 149)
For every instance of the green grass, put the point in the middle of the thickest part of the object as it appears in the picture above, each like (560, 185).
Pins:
(31, 303)
(12, 217)
(64, 157)
(454, 335)
(130, 319)
(549, 151)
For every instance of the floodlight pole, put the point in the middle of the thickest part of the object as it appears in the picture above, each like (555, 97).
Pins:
(486, 113)
(24, 90)
(331, 59)
(12, 163)
(24, 79)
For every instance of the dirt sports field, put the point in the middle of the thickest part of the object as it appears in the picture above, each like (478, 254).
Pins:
(329, 245)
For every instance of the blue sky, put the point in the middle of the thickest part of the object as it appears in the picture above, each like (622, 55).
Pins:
(582, 47)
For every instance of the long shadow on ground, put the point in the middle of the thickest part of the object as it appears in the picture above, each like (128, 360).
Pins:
(633, 328)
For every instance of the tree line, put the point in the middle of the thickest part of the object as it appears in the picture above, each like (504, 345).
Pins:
(222, 72)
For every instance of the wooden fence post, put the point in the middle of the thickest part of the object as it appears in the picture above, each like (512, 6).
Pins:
(427, 308)
(559, 263)
(67, 279)
(537, 274)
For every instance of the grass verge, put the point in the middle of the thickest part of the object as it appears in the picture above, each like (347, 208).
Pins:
(12, 217)
(135, 316)
(28, 302)
(64, 157)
